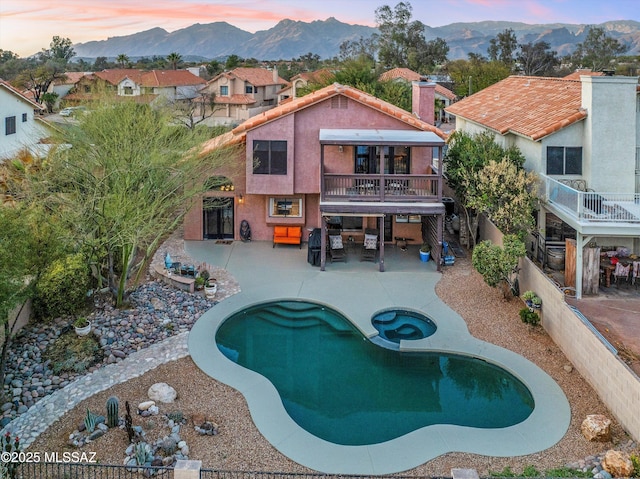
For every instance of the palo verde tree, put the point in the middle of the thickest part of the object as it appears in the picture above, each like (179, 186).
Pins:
(124, 184)
(466, 156)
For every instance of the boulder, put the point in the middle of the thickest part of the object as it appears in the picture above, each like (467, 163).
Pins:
(617, 463)
(596, 427)
(162, 392)
(143, 406)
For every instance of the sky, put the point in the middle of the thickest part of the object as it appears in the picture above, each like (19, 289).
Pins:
(27, 26)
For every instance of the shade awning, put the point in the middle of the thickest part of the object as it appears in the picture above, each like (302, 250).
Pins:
(379, 137)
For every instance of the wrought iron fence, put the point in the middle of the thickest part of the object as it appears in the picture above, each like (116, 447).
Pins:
(62, 470)
(217, 474)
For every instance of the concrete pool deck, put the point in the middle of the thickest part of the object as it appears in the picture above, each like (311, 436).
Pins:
(358, 290)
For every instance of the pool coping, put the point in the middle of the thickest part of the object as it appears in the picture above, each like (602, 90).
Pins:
(375, 292)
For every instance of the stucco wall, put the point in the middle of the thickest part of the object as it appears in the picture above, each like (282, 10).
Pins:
(616, 385)
(27, 133)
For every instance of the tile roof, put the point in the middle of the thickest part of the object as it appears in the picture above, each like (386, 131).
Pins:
(529, 106)
(164, 78)
(71, 78)
(411, 76)
(400, 73)
(319, 76)
(578, 73)
(22, 96)
(237, 99)
(331, 91)
(115, 76)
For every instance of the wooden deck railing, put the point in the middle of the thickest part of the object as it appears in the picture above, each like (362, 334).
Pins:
(358, 187)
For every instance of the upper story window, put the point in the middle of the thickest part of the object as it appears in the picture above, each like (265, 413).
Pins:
(397, 159)
(564, 160)
(249, 89)
(10, 125)
(224, 90)
(24, 118)
(269, 157)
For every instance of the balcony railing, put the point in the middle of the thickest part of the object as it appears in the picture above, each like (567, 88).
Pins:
(591, 206)
(359, 187)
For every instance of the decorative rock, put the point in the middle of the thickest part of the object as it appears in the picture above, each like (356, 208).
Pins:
(596, 427)
(617, 463)
(143, 406)
(154, 410)
(568, 368)
(162, 392)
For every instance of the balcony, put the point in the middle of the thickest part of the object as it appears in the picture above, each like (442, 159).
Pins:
(381, 188)
(590, 207)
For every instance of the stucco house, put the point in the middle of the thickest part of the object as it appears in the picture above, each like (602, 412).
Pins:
(443, 96)
(336, 156)
(22, 126)
(143, 86)
(301, 80)
(244, 92)
(582, 136)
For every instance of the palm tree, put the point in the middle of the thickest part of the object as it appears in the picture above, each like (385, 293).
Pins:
(174, 58)
(123, 60)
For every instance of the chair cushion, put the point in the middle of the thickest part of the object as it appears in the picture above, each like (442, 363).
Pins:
(370, 241)
(280, 231)
(336, 242)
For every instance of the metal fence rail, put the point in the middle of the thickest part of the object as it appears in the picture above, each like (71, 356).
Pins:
(61, 470)
(217, 474)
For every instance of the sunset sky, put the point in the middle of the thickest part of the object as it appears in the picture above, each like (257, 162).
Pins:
(27, 26)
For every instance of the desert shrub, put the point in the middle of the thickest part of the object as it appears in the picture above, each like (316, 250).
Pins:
(529, 317)
(72, 353)
(62, 288)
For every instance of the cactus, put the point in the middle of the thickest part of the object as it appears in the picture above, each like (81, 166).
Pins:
(90, 421)
(143, 453)
(113, 405)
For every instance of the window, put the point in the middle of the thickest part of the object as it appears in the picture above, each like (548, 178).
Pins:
(224, 90)
(345, 223)
(24, 118)
(397, 160)
(10, 125)
(128, 90)
(249, 89)
(269, 157)
(285, 207)
(564, 160)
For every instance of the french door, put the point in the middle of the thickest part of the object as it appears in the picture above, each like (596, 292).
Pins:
(218, 218)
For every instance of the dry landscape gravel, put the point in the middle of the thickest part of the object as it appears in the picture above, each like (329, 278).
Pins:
(239, 445)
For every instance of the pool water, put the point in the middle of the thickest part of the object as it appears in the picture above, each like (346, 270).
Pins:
(342, 388)
(398, 324)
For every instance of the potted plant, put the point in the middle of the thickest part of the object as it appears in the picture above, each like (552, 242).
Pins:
(425, 252)
(210, 288)
(199, 284)
(82, 326)
(532, 300)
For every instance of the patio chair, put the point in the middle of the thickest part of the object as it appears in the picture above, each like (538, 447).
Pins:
(621, 273)
(336, 247)
(370, 246)
(635, 272)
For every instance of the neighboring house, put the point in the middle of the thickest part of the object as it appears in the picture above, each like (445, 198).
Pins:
(62, 86)
(301, 80)
(582, 136)
(443, 96)
(336, 156)
(243, 93)
(22, 129)
(143, 86)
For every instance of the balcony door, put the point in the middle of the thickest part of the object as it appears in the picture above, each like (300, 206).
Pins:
(397, 160)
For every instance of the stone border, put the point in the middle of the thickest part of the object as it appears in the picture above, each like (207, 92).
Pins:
(45, 412)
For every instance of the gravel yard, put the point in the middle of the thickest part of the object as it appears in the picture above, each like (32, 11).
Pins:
(239, 445)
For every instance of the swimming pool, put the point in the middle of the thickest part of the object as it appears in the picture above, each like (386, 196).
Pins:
(343, 388)
(395, 325)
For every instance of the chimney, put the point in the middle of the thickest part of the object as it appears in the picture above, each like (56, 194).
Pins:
(275, 74)
(423, 99)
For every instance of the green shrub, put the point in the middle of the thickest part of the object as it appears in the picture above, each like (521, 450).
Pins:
(62, 288)
(635, 460)
(529, 317)
(72, 353)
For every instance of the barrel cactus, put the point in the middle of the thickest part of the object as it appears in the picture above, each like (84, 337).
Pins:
(113, 405)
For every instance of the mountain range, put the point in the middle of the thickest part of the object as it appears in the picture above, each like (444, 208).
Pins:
(291, 39)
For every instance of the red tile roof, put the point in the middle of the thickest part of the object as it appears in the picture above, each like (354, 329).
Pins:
(255, 76)
(164, 78)
(530, 106)
(115, 76)
(400, 73)
(23, 96)
(235, 99)
(319, 76)
(331, 91)
(578, 73)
